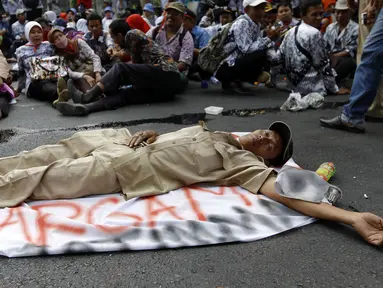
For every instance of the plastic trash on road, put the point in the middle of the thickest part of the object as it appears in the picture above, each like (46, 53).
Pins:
(296, 102)
(213, 110)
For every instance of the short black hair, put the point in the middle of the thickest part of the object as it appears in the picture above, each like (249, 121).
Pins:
(306, 4)
(284, 4)
(43, 21)
(93, 16)
(119, 26)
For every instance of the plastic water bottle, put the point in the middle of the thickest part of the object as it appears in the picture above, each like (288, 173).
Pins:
(326, 170)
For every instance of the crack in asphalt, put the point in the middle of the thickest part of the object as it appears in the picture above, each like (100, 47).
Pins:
(181, 119)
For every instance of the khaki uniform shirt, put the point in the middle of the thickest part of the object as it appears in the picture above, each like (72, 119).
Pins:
(189, 156)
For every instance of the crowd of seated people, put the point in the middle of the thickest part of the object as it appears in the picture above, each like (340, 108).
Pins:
(106, 61)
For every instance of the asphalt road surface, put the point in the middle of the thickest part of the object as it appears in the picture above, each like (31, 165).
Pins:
(318, 255)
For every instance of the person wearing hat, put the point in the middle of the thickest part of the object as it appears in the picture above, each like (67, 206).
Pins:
(149, 15)
(18, 30)
(247, 57)
(225, 16)
(342, 40)
(19, 26)
(146, 164)
(70, 18)
(176, 41)
(200, 36)
(108, 18)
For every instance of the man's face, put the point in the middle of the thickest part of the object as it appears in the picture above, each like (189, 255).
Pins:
(342, 16)
(108, 15)
(189, 23)
(264, 143)
(285, 13)
(119, 39)
(174, 18)
(95, 27)
(314, 16)
(225, 18)
(70, 16)
(256, 13)
(21, 18)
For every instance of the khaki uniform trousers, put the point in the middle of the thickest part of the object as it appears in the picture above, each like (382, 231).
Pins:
(376, 109)
(75, 167)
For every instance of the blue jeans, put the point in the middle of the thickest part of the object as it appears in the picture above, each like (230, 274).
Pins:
(367, 76)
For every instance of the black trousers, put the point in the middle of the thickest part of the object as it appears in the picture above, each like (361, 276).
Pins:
(246, 69)
(345, 67)
(149, 84)
(4, 104)
(195, 68)
(43, 90)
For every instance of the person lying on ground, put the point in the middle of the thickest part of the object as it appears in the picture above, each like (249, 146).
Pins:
(152, 76)
(144, 164)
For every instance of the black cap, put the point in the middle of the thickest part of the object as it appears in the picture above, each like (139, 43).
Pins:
(285, 132)
(190, 14)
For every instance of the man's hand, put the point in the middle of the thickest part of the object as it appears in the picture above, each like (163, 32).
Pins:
(182, 67)
(371, 13)
(109, 51)
(343, 90)
(90, 80)
(370, 227)
(148, 136)
(209, 13)
(98, 77)
(274, 33)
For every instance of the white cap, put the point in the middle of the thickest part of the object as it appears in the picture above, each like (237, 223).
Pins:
(341, 5)
(253, 3)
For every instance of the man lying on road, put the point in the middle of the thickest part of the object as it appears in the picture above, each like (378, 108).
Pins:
(143, 164)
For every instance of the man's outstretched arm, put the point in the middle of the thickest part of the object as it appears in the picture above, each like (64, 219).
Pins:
(368, 225)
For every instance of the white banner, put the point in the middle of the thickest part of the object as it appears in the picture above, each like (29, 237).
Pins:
(189, 216)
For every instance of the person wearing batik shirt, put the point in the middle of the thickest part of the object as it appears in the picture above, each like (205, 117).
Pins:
(285, 20)
(342, 39)
(246, 50)
(100, 41)
(307, 64)
(225, 17)
(18, 31)
(151, 77)
(180, 45)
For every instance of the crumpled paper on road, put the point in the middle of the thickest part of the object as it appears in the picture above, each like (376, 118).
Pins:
(296, 102)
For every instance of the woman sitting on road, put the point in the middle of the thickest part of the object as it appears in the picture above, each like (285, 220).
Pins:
(45, 90)
(79, 57)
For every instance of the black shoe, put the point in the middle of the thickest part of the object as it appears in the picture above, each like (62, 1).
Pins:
(337, 123)
(69, 109)
(75, 94)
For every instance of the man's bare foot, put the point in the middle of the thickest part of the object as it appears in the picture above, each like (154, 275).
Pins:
(370, 227)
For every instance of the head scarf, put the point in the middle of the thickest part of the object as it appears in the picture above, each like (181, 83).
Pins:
(327, 3)
(28, 28)
(135, 21)
(50, 16)
(72, 48)
(82, 25)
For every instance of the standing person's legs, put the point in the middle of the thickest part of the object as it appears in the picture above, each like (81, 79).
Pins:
(12, 19)
(367, 77)
(366, 81)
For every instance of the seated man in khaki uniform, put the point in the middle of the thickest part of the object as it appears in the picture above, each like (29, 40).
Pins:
(143, 164)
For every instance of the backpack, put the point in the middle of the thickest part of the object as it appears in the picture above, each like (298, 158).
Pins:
(212, 55)
(31, 4)
(180, 39)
